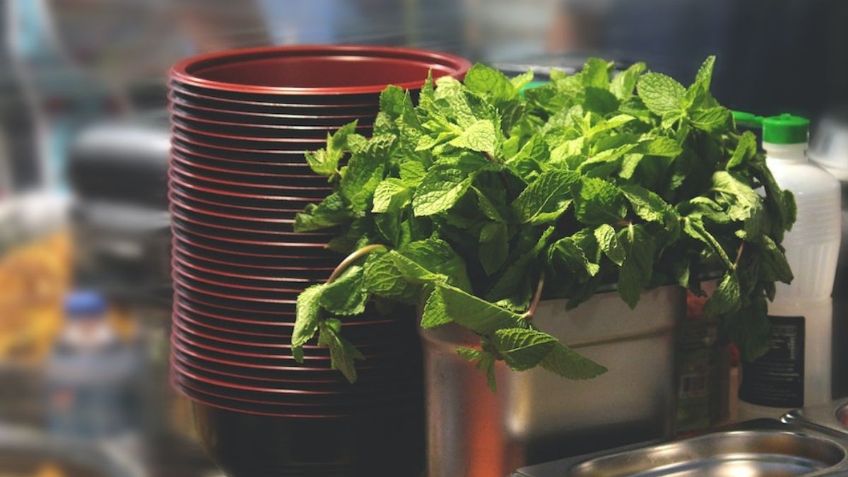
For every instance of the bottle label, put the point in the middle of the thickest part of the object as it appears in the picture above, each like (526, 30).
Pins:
(777, 378)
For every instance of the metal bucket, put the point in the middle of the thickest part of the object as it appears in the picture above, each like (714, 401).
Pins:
(535, 415)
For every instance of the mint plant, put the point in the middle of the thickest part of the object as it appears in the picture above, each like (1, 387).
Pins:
(480, 198)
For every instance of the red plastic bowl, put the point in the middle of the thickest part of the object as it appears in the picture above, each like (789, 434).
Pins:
(267, 125)
(242, 184)
(319, 70)
(185, 108)
(229, 142)
(256, 132)
(279, 104)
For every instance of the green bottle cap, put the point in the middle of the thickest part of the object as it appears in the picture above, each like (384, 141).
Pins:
(531, 85)
(785, 129)
(748, 119)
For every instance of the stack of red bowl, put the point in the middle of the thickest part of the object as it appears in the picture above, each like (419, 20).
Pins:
(241, 122)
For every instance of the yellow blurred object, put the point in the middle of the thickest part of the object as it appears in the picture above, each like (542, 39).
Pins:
(49, 470)
(33, 282)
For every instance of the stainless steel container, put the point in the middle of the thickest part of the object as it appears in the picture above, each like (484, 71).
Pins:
(831, 418)
(535, 415)
(764, 448)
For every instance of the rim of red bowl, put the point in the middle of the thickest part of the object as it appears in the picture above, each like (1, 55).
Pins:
(186, 71)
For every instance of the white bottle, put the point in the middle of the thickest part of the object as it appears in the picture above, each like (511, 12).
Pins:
(796, 371)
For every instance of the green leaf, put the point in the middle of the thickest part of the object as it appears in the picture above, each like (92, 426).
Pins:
(343, 355)
(325, 161)
(726, 298)
(364, 172)
(306, 319)
(574, 253)
(595, 73)
(661, 146)
(699, 93)
(395, 101)
(330, 212)
(494, 246)
(649, 206)
(489, 209)
(638, 266)
(569, 364)
(745, 150)
(440, 190)
(383, 278)
(608, 242)
(660, 93)
(743, 202)
(597, 201)
(489, 82)
(523, 348)
(346, 295)
(624, 83)
(449, 304)
(522, 80)
(774, 264)
(600, 101)
(385, 192)
(480, 136)
(694, 227)
(429, 261)
(712, 119)
(546, 198)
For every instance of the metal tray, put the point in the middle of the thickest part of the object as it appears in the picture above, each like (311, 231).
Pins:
(832, 418)
(753, 449)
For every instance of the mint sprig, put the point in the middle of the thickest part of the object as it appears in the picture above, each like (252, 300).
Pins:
(595, 178)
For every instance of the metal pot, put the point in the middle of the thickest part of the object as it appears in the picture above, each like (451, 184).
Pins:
(535, 415)
(754, 449)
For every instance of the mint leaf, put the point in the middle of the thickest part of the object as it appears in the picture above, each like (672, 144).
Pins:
(494, 246)
(346, 295)
(649, 206)
(567, 363)
(660, 93)
(694, 227)
(395, 101)
(774, 264)
(440, 190)
(490, 82)
(625, 82)
(726, 298)
(325, 161)
(745, 150)
(607, 239)
(523, 348)
(743, 202)
(330, 212)
(479, 136)
(595, 73)
(448, 304)
(638, 266)
(546, 198)
(306, 319)
(431, 260)
(383, 278)
(576, 252)
(661, 146)
(597, 201)
(522, 80)
(343, 354)
(364, 172)
(385, 192)
(712, 119)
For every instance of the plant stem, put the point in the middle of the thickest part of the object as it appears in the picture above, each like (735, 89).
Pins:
(537, 297)
(739, 255)
(353, 257)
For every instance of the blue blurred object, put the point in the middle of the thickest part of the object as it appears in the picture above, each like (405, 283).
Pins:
(84, 304)
(90, 385)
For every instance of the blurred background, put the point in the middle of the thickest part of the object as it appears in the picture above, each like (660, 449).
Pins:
(84, 151)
